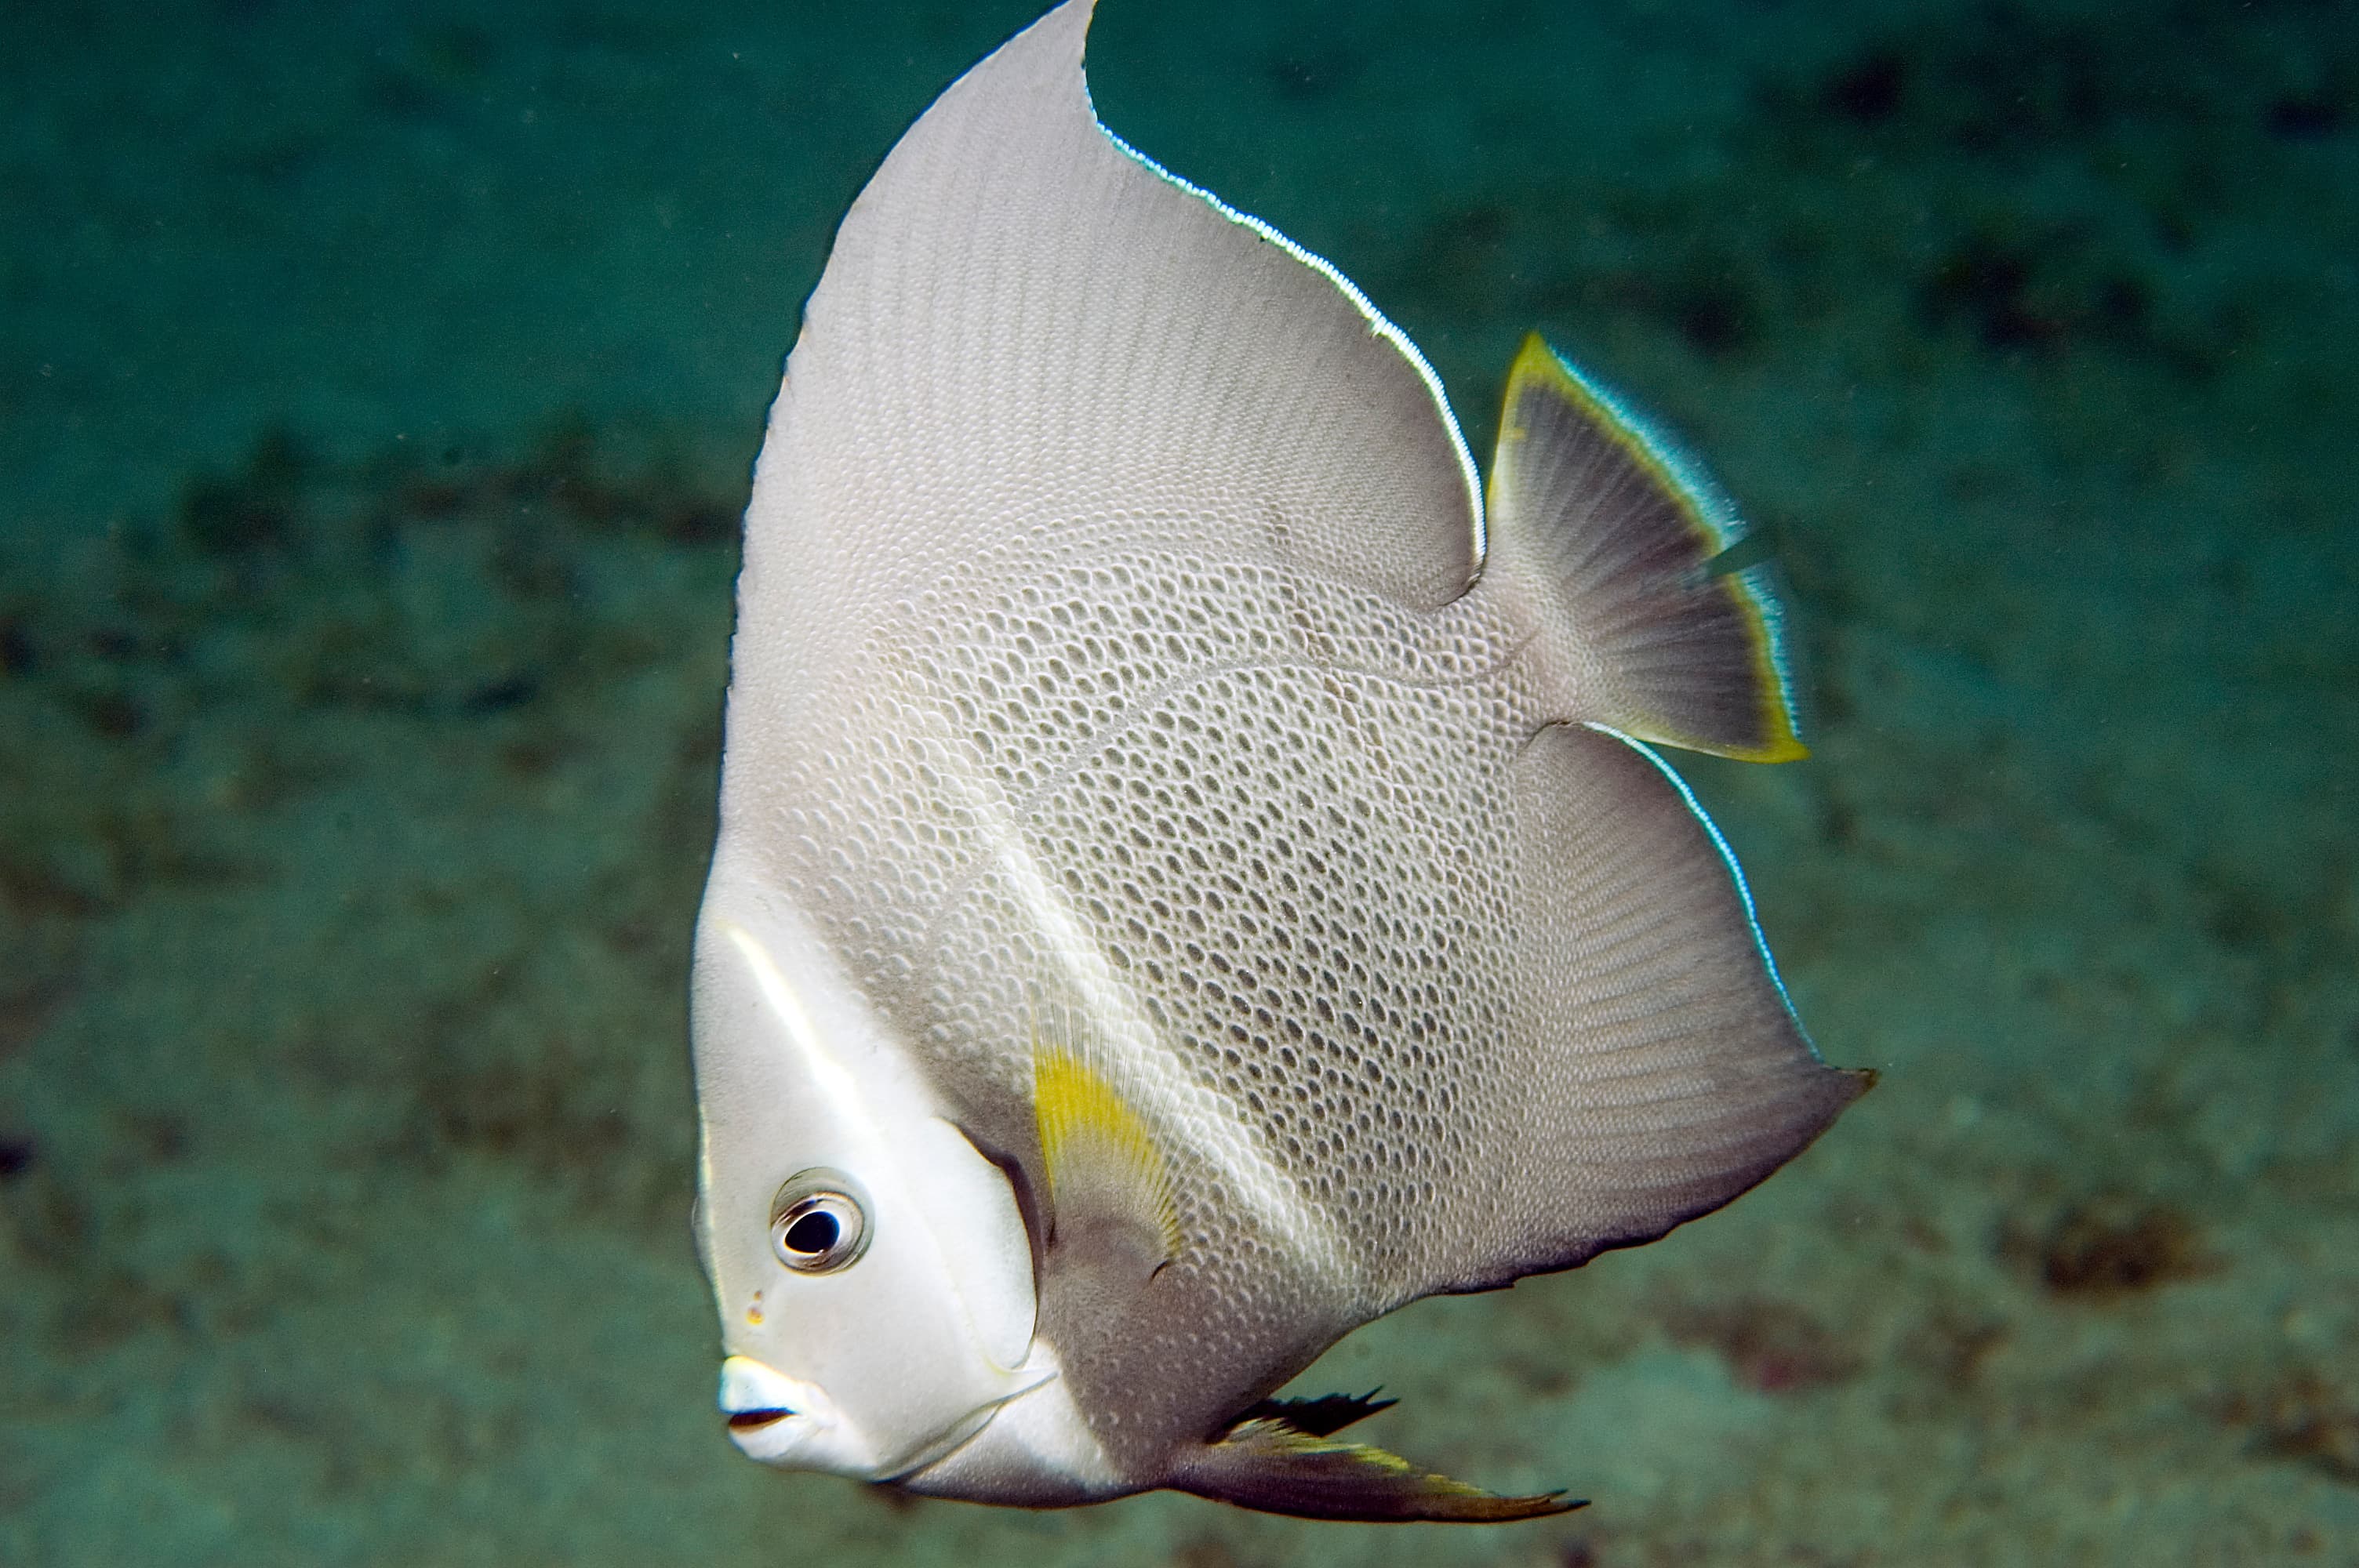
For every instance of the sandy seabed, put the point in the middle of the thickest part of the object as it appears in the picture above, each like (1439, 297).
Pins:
(377, 388)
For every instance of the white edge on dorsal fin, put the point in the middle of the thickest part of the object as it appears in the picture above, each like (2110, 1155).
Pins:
(1379, 324)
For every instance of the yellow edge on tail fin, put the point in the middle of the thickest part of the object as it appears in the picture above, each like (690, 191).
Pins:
(1707, 516)
(1087, 1132)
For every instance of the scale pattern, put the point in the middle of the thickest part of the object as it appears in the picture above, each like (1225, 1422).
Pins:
(1276, 812)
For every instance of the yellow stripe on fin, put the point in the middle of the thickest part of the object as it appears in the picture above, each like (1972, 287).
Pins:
(1101, 1161)
(1628, 530)
(1263, 1463)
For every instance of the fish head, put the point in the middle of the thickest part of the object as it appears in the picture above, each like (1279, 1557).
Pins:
(871, 1265)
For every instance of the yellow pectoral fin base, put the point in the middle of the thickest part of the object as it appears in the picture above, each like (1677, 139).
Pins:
(1103, 1164)
(1269, 1464)
(1649, 564)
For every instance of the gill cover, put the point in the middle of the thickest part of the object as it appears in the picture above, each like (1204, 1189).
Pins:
(877, 1364)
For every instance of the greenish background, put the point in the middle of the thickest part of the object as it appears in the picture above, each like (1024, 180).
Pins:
(377, 388)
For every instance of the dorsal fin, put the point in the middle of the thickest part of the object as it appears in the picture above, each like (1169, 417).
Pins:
(1026, 330)
(1677, 642)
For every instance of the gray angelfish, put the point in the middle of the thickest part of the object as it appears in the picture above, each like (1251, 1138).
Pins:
(1191, 876)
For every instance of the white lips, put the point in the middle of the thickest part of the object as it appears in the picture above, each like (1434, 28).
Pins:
(806, 1420)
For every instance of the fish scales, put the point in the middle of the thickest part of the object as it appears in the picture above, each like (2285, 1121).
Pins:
(1211, 800)
(1223, 803)
(1190, 878)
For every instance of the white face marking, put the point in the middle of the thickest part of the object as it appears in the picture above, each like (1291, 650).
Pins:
(835, 1087)
(867, 1361)
(1042, 1437)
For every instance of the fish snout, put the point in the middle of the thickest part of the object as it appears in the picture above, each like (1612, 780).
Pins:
(777, 1419)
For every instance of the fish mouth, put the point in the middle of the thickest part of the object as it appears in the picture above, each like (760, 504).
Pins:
(754, 1419)
(777, 1420)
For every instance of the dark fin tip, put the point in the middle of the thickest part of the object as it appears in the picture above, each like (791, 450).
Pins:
(1323, 1416)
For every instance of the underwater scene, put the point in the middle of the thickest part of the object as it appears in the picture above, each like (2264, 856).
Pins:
(380, 388)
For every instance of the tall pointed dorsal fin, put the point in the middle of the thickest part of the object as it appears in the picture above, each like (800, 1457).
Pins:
(1024, 330)
(1679, 643)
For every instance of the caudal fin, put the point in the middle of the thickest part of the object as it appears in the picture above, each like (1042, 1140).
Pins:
(1673, 641)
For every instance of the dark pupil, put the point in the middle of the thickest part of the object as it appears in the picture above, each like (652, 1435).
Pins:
(814, 1232)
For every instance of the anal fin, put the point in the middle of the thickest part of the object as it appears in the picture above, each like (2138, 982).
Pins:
(1267, 1462)
(1658, 1066)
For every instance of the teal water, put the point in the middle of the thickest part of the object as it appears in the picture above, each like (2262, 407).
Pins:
(377, 388)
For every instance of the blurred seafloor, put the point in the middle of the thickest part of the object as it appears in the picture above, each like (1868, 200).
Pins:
(377, 385)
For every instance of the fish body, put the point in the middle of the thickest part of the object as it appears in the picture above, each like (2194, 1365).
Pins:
(1192, 876)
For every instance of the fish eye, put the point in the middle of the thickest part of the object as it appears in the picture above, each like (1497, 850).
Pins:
(819, 1222)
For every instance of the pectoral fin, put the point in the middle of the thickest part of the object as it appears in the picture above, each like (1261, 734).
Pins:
(1267, 1462)
(1109, 1185)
